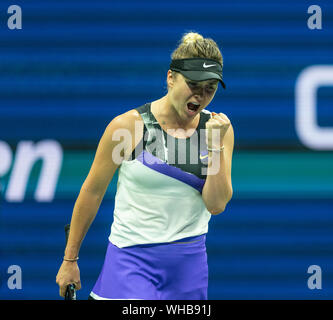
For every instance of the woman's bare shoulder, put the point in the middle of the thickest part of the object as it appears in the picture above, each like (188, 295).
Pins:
(127, 120)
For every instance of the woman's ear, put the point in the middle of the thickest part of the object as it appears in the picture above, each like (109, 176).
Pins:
(170, 79)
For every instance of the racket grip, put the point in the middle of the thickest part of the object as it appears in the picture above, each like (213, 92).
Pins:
(70, 292)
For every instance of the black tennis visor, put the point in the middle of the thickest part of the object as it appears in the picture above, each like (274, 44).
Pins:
(198, 69)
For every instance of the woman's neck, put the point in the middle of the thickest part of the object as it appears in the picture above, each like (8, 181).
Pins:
(167, 114)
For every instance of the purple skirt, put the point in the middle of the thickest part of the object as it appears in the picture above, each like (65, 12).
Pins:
(165, 271)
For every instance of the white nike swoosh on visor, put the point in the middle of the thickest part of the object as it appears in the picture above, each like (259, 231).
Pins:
(208, 65)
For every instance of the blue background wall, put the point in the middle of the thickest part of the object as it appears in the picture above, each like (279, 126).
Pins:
(75, 65)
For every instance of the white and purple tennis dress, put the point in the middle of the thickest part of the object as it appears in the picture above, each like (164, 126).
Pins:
(157, 247)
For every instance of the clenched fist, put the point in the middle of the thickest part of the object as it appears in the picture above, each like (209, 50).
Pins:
(216, 128)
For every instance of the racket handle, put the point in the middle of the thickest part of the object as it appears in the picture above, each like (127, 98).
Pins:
(70, 290)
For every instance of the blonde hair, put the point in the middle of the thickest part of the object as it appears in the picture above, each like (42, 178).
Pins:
(194, 45)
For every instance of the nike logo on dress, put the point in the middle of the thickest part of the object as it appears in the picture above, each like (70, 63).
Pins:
(208, 65)
(203, 156)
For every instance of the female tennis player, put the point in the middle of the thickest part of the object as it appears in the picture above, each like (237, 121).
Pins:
(174, 159)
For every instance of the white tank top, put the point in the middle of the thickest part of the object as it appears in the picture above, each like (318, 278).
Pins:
(158, 196)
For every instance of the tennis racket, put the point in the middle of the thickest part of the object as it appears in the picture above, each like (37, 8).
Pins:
(70, 290)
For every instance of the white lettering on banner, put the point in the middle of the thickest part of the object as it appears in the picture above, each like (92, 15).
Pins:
(314, 21)
(15, 20)
(27, 154)
(307, 128)
(315, 280)
(6, 157)
(15, 280)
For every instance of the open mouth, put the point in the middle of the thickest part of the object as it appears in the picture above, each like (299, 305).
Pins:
(192, 106)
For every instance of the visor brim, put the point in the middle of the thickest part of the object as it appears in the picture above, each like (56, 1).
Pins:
(201, 76)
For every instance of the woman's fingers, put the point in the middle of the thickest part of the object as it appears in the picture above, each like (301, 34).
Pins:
(68, 273)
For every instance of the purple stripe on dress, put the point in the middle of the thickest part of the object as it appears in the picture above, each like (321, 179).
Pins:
(160, 166)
